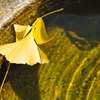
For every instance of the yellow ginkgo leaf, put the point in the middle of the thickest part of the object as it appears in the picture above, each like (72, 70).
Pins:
(39, 32)
(24, 51)
(21, 31)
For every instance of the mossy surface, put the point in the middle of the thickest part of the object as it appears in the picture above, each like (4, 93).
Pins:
(73, 72)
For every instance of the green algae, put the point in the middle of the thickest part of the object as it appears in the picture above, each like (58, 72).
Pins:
(72, 73)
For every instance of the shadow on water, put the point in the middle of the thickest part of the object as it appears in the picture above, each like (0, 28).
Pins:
(3, 70)
(83, 31)
(24, 81)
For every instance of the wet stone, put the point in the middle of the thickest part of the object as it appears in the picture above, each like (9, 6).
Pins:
(11, 8)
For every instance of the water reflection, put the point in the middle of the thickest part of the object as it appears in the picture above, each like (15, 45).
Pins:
(83, 31)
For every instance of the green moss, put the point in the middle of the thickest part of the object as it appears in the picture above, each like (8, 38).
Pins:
(71, 74)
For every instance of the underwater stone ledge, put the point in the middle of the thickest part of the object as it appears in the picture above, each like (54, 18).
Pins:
(10, 10)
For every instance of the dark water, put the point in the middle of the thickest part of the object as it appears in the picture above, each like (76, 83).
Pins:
(86, 28)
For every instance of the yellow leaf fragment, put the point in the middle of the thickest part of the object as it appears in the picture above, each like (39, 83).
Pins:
(43, 56)
(21, 31)
(39, 32)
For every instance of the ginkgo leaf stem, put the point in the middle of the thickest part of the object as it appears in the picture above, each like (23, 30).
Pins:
(5, 77)
(52, 12)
